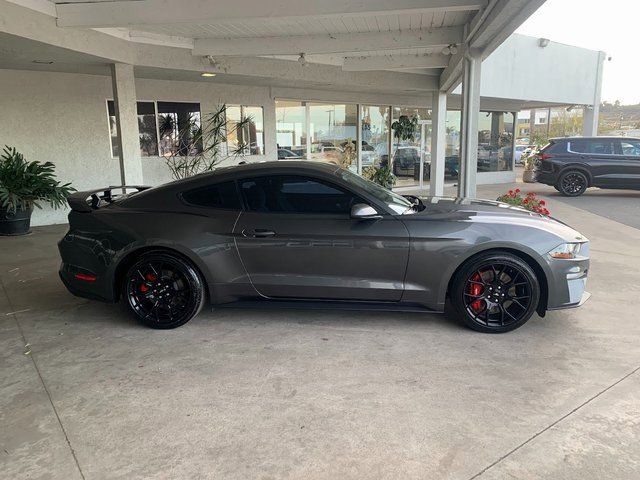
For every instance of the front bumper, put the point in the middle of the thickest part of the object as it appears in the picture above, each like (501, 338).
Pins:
(568, 281)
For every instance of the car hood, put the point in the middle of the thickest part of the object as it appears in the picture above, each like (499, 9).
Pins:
(489, 211)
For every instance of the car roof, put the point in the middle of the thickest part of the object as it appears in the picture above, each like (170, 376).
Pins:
(260, 168)
(281, 167)
(609, 137)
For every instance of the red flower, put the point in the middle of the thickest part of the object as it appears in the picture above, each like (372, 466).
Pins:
(542, 202)
(510, 192)
(531, 194)
(517, 190)
(525, 201)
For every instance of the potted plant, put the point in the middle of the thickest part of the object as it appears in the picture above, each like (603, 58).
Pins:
(380, 175)
(527, 175)
(24, 185)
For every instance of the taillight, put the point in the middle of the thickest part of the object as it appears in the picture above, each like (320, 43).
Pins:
(545, 156)
(85, 277)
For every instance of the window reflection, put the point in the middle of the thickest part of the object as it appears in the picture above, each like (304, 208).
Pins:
(495, 142)
(333, 133)
(410, 153)
(375, 135)
(179, 128)
(291, 134)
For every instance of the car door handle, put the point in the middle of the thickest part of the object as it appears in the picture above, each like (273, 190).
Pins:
(258, 233)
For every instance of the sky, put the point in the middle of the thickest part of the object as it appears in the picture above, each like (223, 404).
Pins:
(611, 26)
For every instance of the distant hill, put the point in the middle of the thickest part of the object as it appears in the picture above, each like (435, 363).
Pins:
(614, 116)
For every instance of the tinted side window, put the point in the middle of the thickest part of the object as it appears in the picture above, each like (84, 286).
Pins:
(630, 148)
(602, 147)
(295, 194)
(222, 195)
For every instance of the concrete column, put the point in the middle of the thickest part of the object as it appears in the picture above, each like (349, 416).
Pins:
(438, 143)
(469, 127)
(590, 120)
(270, 131)
(592, 112)
(124, 96)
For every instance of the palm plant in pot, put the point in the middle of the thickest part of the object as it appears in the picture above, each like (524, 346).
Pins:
(24, 185)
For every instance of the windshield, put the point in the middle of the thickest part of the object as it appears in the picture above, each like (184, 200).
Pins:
(395, 202)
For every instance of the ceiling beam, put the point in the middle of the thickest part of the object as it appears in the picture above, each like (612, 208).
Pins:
(291, 71)
(334, 43)
(394, 62)
(163, 12)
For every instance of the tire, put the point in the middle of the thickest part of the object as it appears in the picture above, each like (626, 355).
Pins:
(163, 290)
(573, 183)
(495, 292)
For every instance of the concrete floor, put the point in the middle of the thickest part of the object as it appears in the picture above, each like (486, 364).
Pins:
(85, 392)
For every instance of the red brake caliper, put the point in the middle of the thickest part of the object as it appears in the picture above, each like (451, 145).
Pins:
(144, 288)
(476, 289)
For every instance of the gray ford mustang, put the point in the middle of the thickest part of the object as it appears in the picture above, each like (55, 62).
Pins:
(314, 235)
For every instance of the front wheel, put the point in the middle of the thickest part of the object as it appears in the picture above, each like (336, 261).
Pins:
(163, 291)
(573, 183)
(495, 292)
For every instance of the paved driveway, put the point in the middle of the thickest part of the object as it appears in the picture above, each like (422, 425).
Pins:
(87, 393)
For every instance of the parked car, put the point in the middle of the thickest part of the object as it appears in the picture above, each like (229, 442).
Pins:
(321, 236)
(284, 153)
(520, 150)
(573, 164)
(406, 162)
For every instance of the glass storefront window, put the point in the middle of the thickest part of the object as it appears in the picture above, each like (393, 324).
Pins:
(178, 124)
(374, 122)
(146, 127)
(452, 146)
(408, 154)
(291, 133)
(333, 133)
(249, 140)
(495, 141)
(255, 129)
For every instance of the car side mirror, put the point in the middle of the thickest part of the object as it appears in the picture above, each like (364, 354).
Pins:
(362, 211)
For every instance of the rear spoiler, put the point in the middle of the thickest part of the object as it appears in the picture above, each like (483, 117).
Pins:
(92, 199)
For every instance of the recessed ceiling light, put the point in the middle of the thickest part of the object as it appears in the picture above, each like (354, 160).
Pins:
(43, 62)
(207, 74)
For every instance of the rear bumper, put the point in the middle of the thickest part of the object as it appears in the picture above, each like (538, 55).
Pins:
(82, 288)
(547, 178)
(84, 256)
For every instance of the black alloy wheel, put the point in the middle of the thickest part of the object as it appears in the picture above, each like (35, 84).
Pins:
(163, 291)
(573, 183)
(496, 292)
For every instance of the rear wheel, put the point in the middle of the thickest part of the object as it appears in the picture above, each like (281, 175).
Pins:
(573, 183)
(495, 292)
(163, 291)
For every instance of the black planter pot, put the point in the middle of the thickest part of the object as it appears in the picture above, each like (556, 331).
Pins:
(15, 223)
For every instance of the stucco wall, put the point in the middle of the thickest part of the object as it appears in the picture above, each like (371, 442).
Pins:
(62, 117)
(558, 73)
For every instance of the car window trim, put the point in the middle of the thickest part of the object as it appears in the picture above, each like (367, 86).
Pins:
(632, 157)
(186, 202)
(314, 178)
(596, 154)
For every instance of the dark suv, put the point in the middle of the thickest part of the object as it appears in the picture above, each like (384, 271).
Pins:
(573, 164)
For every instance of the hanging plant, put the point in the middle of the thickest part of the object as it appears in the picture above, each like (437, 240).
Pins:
(404, 128)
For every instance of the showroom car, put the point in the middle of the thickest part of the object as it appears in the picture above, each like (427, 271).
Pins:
(319, 236)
